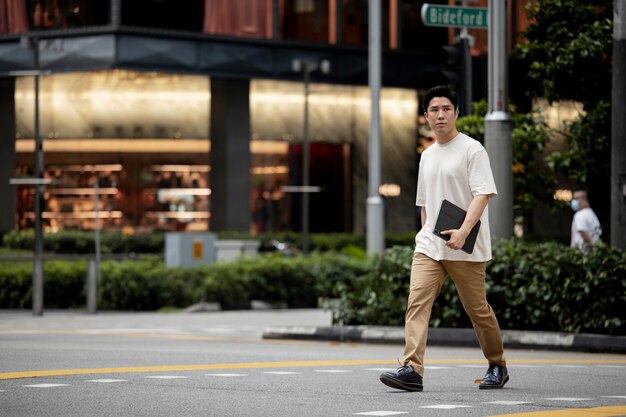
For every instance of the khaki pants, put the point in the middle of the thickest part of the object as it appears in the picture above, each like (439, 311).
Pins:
(427, 277)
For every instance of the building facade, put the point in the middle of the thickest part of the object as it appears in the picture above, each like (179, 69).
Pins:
(192, 118)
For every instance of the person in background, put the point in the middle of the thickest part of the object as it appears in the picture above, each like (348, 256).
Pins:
(456, 168)
(586, 229)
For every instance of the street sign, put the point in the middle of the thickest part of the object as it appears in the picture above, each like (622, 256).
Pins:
(454, 16)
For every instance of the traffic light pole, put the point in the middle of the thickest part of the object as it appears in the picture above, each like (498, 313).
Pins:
(466, 73)
(618, 142)
(498, 126)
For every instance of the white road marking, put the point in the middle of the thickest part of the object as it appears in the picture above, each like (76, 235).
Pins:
(381, 413)
(166, 377)
(225, 375)
(569, 399)
(437, 367)
(282, 373)
(46, 385)
(472, 366)
(612, 366)
(107, 381)
(332, 371)
(446, 406)
(614, 396)
(508, 402)
(380, 369)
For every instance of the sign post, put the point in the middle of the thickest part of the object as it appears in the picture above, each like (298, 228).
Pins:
(455, 16)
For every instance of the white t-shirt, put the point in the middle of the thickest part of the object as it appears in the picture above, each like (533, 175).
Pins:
(585, 220)
(456, 171)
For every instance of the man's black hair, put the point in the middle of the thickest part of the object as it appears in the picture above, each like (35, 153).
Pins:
(441, 91)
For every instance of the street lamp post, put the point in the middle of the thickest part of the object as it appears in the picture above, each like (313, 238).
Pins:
(307, 67)
(38, 181)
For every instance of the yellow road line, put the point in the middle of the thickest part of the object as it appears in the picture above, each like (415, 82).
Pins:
(619, 410)
(201, 367)
(261, 365)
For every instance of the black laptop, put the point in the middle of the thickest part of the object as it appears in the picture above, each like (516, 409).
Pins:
(452, 216)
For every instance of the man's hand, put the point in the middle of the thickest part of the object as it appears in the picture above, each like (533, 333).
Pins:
(457, 238)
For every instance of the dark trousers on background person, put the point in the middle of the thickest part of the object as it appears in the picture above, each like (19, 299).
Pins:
(427, 277)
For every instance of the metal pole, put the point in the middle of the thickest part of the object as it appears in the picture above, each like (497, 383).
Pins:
(375, 235)
(92, 286)
(466, 70)
(92, 306)
(618, 141)
(498, 140)
(38, 277)
(306, 71)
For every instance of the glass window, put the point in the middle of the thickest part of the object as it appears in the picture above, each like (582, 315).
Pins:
(164, 14)
(354, 22)
(305, 20)
(20, 16)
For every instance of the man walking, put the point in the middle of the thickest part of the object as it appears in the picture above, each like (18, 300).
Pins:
(455, 168)
(586, 229)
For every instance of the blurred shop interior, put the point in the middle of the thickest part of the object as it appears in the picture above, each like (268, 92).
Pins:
(143, 138)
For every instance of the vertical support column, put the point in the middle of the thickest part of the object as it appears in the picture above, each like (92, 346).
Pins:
(116, 14)
(375, 233)
(7, 154)
(618, 141)
(230, 155)
(498, 124)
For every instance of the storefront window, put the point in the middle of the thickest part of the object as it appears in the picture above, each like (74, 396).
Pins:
(19, 16)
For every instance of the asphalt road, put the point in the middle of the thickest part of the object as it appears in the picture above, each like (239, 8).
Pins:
(216, 364)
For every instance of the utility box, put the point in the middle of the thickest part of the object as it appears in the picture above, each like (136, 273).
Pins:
(231, 249)
(189, 249)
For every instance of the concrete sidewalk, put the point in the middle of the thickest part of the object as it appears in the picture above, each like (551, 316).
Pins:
(453, 337)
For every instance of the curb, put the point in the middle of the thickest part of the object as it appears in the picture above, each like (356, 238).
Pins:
(204, 307)
(454, 337)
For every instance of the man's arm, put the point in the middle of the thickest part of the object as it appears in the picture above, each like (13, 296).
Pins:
(474, 211)
(586, 237)
(423, 216)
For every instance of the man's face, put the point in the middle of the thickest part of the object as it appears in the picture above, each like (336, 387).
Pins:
(441, 116)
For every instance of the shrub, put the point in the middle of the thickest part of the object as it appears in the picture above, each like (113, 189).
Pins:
(546, 286)
(146, 284)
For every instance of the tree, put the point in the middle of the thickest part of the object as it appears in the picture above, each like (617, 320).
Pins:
(532, 181)
(568, 55)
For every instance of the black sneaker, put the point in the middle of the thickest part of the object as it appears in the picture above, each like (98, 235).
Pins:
(404, 378)
(495, 377)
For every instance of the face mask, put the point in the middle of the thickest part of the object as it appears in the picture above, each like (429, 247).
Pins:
(575, 205)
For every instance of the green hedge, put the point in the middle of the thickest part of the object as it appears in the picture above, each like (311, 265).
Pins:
(147, 284)
(80, 242)
(545, 286)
